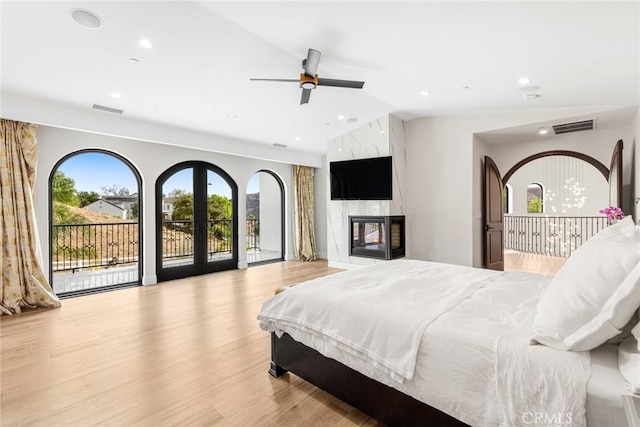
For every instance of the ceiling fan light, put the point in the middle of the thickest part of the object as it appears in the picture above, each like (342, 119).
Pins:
(308, 85)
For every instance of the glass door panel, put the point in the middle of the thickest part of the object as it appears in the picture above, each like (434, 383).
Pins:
(219, 218)
(196, 228)
(178, 230)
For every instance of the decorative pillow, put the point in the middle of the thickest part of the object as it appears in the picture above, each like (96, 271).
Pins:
(594, 294)
(629, 362)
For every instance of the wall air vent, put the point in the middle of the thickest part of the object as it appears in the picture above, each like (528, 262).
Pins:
(107, 109)
(574, 127)
(277, 144)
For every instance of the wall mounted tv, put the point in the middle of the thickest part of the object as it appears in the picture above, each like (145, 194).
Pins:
(361, 179)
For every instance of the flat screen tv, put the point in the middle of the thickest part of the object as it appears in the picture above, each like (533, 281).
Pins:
(361, 179)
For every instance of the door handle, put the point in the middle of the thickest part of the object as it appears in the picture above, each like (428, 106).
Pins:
(487, 228)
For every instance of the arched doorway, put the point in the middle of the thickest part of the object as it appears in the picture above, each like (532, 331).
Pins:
(94, 239)
(196, 221)
(265, 218)
(545, 235)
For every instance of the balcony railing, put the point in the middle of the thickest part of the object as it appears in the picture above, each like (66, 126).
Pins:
(253, 234)
(78, 246)
(550, 235)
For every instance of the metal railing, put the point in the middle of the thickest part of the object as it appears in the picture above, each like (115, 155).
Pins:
(78, 246)
(253, 234)
(550, 235)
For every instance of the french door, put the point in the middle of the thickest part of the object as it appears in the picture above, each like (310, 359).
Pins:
(196, 221)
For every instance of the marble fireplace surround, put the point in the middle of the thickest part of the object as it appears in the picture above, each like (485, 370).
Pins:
(382, 137)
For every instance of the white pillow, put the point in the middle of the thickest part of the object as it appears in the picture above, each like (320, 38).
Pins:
(594, 294)
(629, 362)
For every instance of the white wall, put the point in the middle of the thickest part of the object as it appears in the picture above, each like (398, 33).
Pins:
(270, 226)
(321, 198)
(150, 160)
(444, 179)
(572, 187)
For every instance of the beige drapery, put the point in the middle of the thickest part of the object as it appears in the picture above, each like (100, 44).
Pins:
(22, 280)
(305, 235)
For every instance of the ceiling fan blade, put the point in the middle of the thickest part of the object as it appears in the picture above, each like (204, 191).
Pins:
(276, 80)
(306, 94)
(310, 64)
(341, 83)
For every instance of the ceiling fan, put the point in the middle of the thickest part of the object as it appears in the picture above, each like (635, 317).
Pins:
(309, 80)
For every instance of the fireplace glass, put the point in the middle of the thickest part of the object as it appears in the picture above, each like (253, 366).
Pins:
(377, 236)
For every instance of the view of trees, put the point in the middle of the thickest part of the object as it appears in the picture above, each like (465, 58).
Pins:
(534, 198)
(64, 189)
(87, 197)
(218, 207)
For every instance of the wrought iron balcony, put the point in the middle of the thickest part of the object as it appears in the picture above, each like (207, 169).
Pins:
(550, 235)
(80, 246)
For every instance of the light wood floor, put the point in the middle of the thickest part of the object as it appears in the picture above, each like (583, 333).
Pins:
(187, 352)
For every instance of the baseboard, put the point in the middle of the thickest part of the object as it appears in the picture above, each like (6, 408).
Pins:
(151, 279)
(344, 265)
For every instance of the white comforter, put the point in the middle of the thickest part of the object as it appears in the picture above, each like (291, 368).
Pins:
(386, 307)
(471, 344)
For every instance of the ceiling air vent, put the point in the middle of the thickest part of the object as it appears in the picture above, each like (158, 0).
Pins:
(107, 109)
(277, 144)
(574, 127)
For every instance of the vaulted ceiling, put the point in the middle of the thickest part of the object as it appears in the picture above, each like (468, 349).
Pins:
(417, 58)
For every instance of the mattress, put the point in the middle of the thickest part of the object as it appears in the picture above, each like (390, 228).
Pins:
(605, 389)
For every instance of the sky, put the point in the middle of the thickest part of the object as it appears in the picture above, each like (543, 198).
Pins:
(91, 171)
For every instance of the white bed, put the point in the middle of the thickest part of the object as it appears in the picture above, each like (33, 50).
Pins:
(488, 348)
(473, 353)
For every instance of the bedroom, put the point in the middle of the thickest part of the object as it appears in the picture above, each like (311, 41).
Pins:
(445, 137)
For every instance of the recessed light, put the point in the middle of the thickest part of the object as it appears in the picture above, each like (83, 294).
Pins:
(381, 131)
(531, 96)
(86, 18)
(352, 120)
(116, 95)
(145, 43)
(425, 93)
(465, 87)
(543, 131)
(530, 88)
(340, 117)
(133, 61)
(296, 139)
(524, 80)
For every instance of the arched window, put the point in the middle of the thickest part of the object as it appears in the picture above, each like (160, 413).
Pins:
(535, 198)
(507, 199)
(95, 202)
(265, 218)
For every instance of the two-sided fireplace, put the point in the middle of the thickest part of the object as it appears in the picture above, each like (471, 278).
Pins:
(379, 237)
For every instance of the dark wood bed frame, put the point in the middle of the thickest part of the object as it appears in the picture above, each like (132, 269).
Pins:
(375, 399)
